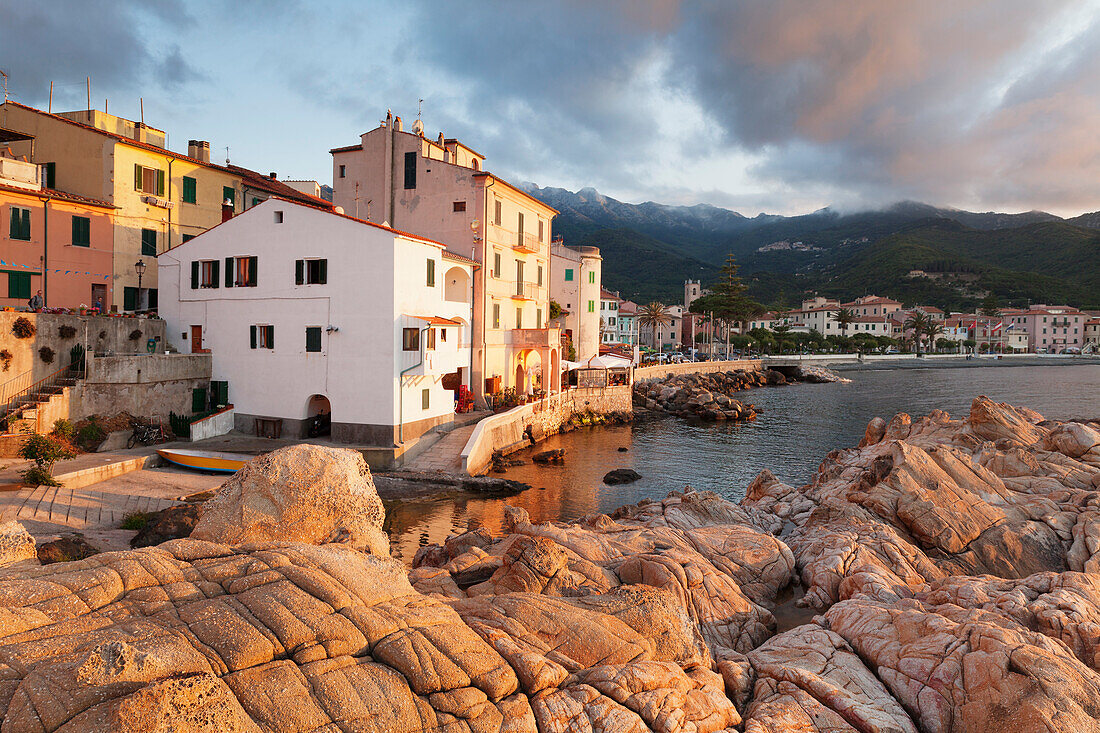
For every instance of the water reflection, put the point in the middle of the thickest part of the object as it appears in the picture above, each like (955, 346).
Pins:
(799, 425)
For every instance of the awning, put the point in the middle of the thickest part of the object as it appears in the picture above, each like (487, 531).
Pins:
(437, 320)
(608, 361)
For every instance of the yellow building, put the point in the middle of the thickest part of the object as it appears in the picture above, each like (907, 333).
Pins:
(162, 197)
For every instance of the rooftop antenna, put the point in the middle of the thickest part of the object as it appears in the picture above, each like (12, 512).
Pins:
(419, 108)
(6, 84)
(49, 107)
(227, 155)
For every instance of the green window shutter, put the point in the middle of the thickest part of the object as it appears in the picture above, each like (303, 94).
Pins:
(228, 272)
(313, 338)
(431, 273)
(149, 242)
(153, 299)
(568, 274)
(256, 201)
(252, 336)
(228, 192)
(410, 170)
(15, 223)
(270, 337)
(299, 271)
(323, 267)
(198, 400)
(253, 266)
(81, 231)
(190, 194)
(137, 176)
(160, 183)
(129, 298)
(214, 266)
(194, 275)
(51, 175)
(24, 279)
(27, 224)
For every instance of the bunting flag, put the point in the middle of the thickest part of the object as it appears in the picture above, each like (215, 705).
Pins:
(98, 275)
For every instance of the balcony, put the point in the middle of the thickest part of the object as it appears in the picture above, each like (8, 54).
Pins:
(527, 243)
(536, 338)
(529, 291)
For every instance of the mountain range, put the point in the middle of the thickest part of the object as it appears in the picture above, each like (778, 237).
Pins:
(649, 249)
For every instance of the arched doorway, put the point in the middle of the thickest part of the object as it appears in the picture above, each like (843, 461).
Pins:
(456, 285)
(521, 378)
(318, 416)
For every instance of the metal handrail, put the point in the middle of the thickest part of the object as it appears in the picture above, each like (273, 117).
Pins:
(13, 386)
(14, 402)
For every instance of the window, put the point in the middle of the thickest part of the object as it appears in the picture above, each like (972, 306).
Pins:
(569, 274)
(129, 299)
(343, 171)
(519, 318)
(425, 398)
(443, 335)
(496, 315)
(591, 278)
(19, 285)
(20, 224)
(313, 338)
(204, 274)
(496, 264)
(311, 272)
(459, 206)
(241, 272)
(542, 226)
(229, 194)
(591, 306)
(188, 237)
(430, 345)
(278, 217)
(431, 273)
(410, 169)
(256, 201)
(540, 276)
(519, 224)
(410, 339)
(149, 242)
(190, 190)
(496, 212)
(538, 318)
(148, 180)
(81, 231)
(51, 175)
(262, 337)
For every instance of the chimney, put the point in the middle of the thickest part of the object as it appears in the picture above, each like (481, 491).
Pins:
(271, 175)
(397, 124)
(199, 150)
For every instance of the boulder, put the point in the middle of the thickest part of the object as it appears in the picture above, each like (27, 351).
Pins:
(554, 455)
(621, 476)
(16, 544)
(68, 548)
(168, 524)
(302, 493)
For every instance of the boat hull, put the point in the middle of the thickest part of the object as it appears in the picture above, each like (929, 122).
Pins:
(198, 461)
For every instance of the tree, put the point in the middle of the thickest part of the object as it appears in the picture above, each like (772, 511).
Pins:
(654, 315)
(727, 301)
(780, 332)
(844, 318)
(918, 323)
(932, 330)
(44, 450)
(991, 306)
(555, 310)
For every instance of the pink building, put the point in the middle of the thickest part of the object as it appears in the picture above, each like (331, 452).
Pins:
(1051, 329)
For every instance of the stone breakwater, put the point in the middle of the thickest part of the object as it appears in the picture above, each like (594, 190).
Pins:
(706, 396)
(953, 565)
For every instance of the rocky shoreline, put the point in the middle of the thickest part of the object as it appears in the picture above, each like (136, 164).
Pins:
(948, 571)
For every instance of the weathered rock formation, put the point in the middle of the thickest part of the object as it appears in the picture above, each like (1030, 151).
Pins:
(953, 565)
(705, 396)
(16, 543)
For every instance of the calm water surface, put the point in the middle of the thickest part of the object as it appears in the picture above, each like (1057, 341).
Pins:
(799, 425)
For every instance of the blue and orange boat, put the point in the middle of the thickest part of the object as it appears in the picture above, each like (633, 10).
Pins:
(205, 460)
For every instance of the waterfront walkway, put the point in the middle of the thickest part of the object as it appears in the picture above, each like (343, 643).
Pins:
(445, 454)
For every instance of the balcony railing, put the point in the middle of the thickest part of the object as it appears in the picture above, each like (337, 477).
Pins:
(536, 337)
(529, 291)
(526, 243)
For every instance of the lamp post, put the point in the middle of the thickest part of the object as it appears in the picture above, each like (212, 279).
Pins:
(139, 268)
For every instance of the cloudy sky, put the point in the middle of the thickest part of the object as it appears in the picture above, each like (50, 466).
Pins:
(781, 106)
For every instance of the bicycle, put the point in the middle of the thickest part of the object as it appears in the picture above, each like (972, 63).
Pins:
(145, 434)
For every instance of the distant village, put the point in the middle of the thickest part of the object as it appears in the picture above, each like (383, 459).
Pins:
(418, 284)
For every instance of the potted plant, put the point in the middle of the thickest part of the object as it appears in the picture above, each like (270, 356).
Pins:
(83, 309)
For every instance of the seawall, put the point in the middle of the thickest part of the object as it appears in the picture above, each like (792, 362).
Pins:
(660, 371)
(504, 432)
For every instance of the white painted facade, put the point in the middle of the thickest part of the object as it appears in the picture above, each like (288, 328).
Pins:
(376, 282)
(575, 277)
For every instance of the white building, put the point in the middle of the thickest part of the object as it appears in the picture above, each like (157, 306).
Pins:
(575, 277)
(609, 317)
(306, 310)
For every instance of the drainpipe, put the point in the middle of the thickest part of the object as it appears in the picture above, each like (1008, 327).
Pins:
(45, 248)
(486, 273)
(401, 391)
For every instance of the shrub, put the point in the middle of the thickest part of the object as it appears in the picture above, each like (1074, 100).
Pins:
(135, 520)
(46, 354)
(66, 332)
(23, 328)
(5, 358)
(64, 429)
(135, 334)
(44, 450)
(90, 435)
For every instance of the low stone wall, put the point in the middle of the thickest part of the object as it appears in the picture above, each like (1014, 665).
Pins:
(144, 385)
(660, 371)
(504, 431)
(211, 426)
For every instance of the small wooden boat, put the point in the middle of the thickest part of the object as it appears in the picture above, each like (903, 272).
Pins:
(205, 460)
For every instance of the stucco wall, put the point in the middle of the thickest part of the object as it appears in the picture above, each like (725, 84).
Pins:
(115, 339)
(505, 431)
(150, 385)
(219, 423)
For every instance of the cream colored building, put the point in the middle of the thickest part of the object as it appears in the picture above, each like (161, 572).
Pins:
(438, 188)
(162, 197)
(575, 283)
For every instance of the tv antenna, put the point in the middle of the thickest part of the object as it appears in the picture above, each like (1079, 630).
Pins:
(6, 85)
(227, 155)
(419, 107)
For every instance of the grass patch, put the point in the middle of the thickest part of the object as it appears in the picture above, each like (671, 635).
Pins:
(135, 520)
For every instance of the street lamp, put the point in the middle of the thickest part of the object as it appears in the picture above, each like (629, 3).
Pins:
(139, 268)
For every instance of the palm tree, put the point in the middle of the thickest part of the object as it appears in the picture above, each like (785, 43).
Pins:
(918, 322)
(932, 330)
(844, 318)
(654, 315)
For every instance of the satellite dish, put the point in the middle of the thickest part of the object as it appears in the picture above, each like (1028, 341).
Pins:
(474, 225)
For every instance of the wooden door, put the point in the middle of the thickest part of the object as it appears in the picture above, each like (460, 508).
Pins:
(196, 340)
